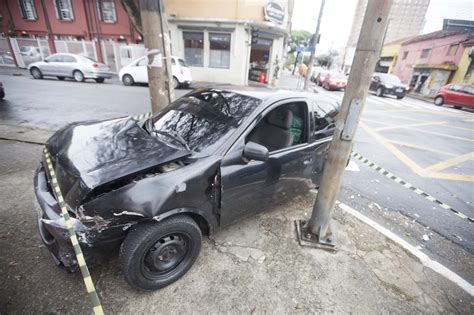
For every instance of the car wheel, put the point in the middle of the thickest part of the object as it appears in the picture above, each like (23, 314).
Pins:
(175, 83)
(36, 73)
(127, 80)
(438, 101)
(379, 92)
(399, 97)
(61, 78)
(154, 255)
(100, 80)
(2, 95)
(78, 76)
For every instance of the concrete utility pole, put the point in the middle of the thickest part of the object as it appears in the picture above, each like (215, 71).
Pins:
(157, 42)
(366, 56)
(313, 48)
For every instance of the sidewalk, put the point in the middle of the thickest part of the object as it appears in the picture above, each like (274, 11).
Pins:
(255, 266)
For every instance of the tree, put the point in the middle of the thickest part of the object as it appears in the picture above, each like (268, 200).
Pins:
(134, 14)
(299, 38)
(324, 60)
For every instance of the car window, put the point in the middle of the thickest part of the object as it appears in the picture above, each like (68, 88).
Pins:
(284, 126)
(324, 117)
(204, 119)
(67, 58)
(182, 63)
(469, 90)
(55, 58)
(455, 87)
(142, 62)
(173, 62)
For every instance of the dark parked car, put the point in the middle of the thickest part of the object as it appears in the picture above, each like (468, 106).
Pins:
(458, 94)
(2, 91)
(387, 84)
(155, 186)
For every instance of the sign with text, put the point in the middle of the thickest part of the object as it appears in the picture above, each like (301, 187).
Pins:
(274, 12)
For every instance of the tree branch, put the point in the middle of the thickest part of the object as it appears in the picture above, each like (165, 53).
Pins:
(134, 14)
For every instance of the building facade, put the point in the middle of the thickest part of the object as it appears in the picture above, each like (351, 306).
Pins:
(231, 41)
(427, 62)
(406, 19)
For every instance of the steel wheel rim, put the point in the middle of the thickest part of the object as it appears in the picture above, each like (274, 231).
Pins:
(78, 76)
(164, 257)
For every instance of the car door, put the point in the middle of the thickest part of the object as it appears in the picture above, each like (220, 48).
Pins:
(454, 95)
(67, 66)
(51, 64)
(468, 97)
(249, 188)
(139, 71)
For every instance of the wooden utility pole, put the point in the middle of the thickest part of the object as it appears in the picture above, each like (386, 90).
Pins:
(157, 43)
(313, 48)
(366, 56)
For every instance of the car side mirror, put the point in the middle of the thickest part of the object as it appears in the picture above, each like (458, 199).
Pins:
(255, 151)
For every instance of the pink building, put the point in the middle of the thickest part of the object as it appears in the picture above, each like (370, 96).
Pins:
(427, 62)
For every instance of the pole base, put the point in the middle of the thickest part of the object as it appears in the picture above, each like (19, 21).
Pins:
(308, 239)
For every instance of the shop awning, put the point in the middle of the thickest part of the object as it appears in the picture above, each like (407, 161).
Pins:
(437, 66)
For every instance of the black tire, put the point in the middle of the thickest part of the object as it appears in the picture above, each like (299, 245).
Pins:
(175, 83)
(379, 92)
(78, 76)
(61, 78)
(100, 80)
(36, 73)
(2, 95)
(178, 239)
(128, 80)
(439, 101)
(399, 97)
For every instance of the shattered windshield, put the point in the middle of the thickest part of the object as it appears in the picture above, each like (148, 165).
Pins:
(202, 119)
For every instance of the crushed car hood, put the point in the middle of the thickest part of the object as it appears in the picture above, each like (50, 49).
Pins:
(88, 155)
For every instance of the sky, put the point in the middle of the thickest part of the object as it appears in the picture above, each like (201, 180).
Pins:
(337, 18)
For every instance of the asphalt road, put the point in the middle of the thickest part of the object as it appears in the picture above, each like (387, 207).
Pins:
(430, 147)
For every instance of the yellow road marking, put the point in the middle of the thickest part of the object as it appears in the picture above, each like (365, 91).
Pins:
(405, 144)
(451, 162)
(412, 125)
(409, 162)
(440, 134)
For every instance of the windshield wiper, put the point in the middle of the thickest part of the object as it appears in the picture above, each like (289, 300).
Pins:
(173, 136)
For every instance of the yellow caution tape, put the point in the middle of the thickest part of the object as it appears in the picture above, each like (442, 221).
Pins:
(405, 184)
(96, 306)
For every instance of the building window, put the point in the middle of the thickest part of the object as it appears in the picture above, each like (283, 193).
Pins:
(425, 53)
(193, 48)
(106, 11)
(453, 49)
(219, 53)
(64, 10)
(27, 9)
(405, 55)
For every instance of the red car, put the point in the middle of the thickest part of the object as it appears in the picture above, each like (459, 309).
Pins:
(335, 81)
(457, 94)
(321, 78)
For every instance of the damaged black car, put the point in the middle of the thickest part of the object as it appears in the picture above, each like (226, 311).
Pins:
(152, 187)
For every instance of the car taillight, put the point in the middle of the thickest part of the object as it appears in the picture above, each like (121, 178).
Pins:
(95, 65)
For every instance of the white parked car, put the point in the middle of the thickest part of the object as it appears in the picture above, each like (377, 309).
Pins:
(70, 66)
(136, 72)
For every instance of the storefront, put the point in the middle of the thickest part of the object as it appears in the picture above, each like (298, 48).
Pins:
(234, 51)
(426, 80)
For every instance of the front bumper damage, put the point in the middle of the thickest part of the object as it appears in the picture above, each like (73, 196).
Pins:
(95, 239)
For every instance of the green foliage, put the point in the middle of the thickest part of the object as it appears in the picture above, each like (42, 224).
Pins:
(324, 60)
(297, 38)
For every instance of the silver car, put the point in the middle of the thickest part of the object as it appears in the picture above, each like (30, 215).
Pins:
(70, 66)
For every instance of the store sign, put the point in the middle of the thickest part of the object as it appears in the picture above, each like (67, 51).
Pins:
(274, 12)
